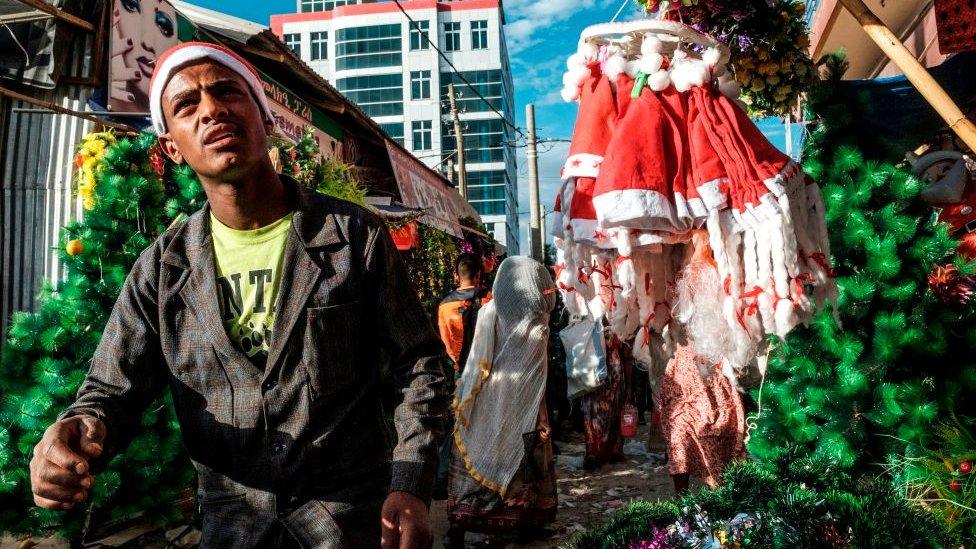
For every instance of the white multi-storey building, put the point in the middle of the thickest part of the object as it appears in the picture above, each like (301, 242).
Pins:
(373, 54)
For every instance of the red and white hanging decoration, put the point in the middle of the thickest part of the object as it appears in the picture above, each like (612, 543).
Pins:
(674, 202)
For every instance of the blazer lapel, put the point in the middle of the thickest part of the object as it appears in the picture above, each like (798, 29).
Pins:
(303, 266)
(200, 291)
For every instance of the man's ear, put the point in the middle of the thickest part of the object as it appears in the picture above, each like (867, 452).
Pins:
(170, 149)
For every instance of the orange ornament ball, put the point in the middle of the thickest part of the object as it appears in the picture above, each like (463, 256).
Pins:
(74, 247)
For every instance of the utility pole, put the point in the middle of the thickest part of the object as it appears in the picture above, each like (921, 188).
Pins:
(535, 217)
(459, 143)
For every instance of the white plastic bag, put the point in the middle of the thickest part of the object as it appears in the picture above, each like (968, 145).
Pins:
(586, 356)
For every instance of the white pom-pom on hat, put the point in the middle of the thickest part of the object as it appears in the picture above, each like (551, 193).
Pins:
(633, 67)
(712, 56)
(590, 52)
(575, 60)
(579, 75)
(570, 94)
(688, 74)
(651, 63)
(614, 66)
(651, 44)
(659, 81)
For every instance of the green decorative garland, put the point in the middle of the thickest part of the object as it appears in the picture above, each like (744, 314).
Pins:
(796, 502)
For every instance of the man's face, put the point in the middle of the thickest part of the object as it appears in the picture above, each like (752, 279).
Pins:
(214, 123)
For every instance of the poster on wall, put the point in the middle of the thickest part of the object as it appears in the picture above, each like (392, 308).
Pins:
(144, 29)
(420, 187)
(141, 31)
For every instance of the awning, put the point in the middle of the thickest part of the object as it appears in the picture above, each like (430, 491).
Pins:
(897, 111)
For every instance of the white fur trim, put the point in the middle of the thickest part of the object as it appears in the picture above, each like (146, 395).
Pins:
(582, 165)
(635, 208)
(698, 208)
(712, 195)
(187, 54)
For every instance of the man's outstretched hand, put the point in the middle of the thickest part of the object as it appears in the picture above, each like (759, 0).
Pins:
(406, 523)
(59, 471)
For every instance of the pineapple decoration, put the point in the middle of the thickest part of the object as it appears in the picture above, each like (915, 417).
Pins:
(768, 42)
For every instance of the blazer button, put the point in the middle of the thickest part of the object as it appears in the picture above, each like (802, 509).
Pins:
(278, 448)
(269, 385)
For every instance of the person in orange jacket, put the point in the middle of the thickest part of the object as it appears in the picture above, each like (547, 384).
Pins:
(458, 311)
(457, 315)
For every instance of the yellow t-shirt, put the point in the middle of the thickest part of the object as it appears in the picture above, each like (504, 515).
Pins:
(248, 275)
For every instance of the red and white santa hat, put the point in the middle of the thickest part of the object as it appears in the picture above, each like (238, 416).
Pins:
(188, 52)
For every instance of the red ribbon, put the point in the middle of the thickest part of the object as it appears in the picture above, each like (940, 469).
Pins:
(821, 260)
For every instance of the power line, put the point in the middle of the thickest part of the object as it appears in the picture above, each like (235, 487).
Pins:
(416, 27)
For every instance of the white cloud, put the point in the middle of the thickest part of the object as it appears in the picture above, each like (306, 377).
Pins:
(527, 17)
(551, 159)
(518, 35)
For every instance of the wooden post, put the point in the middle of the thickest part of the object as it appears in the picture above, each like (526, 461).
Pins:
(914, 71)
(535, 216)
(459, 143)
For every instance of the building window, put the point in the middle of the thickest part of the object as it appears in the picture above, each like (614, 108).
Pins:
(422, 135)
(377, 95)
(394, 130)
(488, 83)
(452, 36)
(419, 34)
(419, 85)
(489, 208)
(320, 45)
(325, 5)
(484, 140)
(368, 47)
(293, 41)
(479, 35)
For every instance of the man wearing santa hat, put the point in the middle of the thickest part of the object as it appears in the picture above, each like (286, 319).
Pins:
(266, 314)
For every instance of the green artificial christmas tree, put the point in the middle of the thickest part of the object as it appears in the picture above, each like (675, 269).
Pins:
(131, 195)
(870, 389)
(48, 353)
(795, 501)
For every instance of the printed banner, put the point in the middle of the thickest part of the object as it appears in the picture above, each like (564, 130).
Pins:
(420, 187)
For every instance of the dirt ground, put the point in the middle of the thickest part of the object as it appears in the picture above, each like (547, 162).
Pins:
(586, 498)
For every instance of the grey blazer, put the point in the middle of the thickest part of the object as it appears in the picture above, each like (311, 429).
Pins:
(304, 444)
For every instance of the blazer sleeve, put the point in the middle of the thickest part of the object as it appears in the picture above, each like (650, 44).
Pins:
(126, 373)
(417, 362)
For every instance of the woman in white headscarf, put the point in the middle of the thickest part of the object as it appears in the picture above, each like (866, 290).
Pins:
(502, 471)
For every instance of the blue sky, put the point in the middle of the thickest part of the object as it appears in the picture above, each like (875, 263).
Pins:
(540, 34)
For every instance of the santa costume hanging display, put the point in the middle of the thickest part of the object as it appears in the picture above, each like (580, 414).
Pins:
(664, 158)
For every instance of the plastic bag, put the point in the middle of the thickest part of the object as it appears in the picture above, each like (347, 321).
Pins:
(586, 356)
